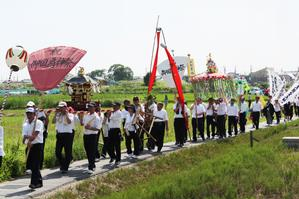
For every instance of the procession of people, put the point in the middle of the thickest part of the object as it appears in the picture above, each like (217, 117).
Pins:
(139, 125)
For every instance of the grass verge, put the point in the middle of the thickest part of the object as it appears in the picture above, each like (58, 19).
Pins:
(222, 169)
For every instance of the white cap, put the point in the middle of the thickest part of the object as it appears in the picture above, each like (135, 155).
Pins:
(62, 104)
(30, 103)
(30, 110)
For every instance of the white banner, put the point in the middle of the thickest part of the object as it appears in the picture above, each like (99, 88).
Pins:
(1, 141)
(275, 84)
(290, 94)
(165, 71)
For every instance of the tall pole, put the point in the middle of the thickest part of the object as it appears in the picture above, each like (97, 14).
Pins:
(153, 49)
(5, 96)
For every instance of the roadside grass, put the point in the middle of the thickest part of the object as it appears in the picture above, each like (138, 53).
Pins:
(220, 169)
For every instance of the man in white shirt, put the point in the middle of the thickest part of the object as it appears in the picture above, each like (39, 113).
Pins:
(92, 124)
(180, 127)
(232, 112)
(160, 124)
(131, 132)
(114, 134)
(221, 117)
(256, 111)
(198, 119)
(63, 121)
(33, 136)
(210, 114)
(242, 114)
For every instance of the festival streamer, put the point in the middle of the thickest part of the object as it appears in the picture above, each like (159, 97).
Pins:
(154, 71)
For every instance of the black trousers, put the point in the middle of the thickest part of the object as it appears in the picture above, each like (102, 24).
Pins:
(132, 136)
(105, 146)
(1, 161)
(158, 132)
(90, 149)
(114, 136)
(64, 141)
(242, 122)
(210, 124)
(278, 116)
(45, 135)
(35, 156)
(256, 119)
(221, 126)
(200, 126)
(180, 130)
(98, 155)
(232, 123)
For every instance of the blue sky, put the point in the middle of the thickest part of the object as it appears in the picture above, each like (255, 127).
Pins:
(238, 33)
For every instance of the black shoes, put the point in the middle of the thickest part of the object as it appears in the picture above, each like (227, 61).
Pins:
(33, 186)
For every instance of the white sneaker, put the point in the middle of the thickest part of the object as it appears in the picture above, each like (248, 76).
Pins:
(28, 172)
(134, 156)
(90, 171)
(97, 160)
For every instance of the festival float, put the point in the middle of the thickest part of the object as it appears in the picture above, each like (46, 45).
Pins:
(80, 88)
(212, 83)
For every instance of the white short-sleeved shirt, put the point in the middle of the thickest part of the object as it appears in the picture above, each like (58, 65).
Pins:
(222, 108)
(180, 111)
(277, 107)
(124, 114)
(162, 114)
(243, 107)
(129, 123)
(210, 109)
(153, 107)
(199, 108)
(256, 106)
(297, 102)
(105, 127)
(232, 110)
(61, 124)
(75, 121)
(115, 120)
(28, 129)
(94, 121)
(2, 141)
(139, 108)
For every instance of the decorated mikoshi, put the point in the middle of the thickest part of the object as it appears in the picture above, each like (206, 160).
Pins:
(212, 83)
(80, 89)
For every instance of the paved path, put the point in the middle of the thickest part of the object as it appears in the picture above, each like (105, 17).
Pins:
(53, 179)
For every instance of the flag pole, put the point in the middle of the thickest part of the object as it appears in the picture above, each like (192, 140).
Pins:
(153, 49)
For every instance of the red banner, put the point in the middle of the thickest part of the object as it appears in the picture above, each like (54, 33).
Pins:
(47, 67)
(176, 78)
(154, 71)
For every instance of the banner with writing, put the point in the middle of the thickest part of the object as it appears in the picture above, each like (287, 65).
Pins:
(290, 94)
(47, 67)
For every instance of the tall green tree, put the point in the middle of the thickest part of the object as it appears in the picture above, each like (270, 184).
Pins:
(118, 72)
(97, 73)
